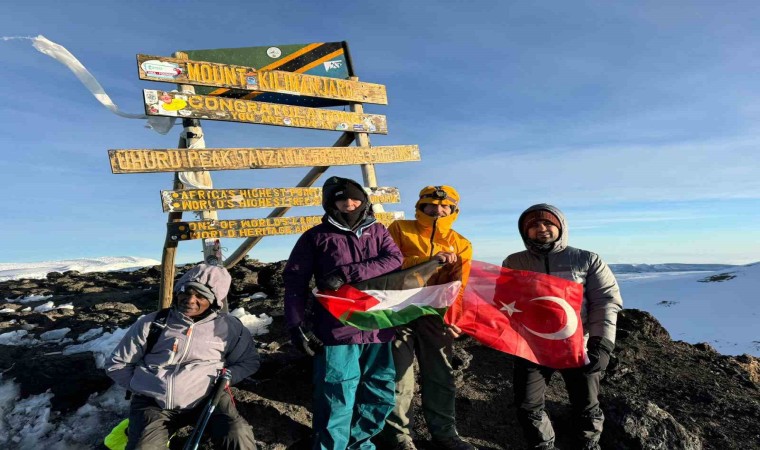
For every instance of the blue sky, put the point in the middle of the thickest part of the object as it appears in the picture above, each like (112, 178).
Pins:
(639, 119)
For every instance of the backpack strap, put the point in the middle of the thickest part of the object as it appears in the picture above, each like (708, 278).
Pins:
(156, 327)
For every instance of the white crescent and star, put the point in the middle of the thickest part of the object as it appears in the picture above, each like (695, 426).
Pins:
(571, 326)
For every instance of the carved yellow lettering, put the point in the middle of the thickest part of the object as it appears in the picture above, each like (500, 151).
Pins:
(195, 102)
(193, 71)
(211, 103)
(205, 73)
(226, 104)
(229, 76)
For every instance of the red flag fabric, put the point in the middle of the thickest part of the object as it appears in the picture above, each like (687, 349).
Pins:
(527, 314)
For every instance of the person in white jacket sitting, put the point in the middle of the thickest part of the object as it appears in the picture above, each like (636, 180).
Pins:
(170, 382)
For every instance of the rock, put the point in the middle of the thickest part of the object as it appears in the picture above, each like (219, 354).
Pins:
(643, 424)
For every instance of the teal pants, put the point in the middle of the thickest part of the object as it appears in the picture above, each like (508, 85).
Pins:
(353, 394)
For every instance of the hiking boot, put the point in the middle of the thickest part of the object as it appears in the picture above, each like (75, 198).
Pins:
(405, 445)
(452, 443)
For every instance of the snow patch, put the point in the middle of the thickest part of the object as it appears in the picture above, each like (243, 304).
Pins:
(16, 271)
(101, 347)
(257, 325)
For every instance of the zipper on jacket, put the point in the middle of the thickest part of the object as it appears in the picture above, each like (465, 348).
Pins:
(432, 236)
(189, 334)
(546, 264)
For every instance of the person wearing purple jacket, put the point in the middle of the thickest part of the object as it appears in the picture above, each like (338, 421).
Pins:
(354, 374)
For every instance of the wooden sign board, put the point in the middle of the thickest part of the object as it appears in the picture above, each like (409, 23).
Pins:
(322, 59)
(246, 228)
(174, 104)
(215, 199)
(204, 73)
(183, 160)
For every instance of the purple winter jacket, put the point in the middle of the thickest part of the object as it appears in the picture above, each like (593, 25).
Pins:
(327, 247)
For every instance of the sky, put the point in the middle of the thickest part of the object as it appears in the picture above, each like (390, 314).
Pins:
(638, 119)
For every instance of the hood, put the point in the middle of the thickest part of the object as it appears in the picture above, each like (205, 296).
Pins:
(335, 186)
(216, 278)
(447, 195)
(561, 243)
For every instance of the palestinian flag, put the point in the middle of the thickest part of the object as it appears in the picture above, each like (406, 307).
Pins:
(390, 300)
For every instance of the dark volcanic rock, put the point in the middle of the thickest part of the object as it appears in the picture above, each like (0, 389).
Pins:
(657, 394)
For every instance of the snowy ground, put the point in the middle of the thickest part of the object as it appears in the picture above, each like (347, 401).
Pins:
(724, 312)
(15, 271)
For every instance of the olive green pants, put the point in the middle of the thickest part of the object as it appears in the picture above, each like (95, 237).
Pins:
(427, 339)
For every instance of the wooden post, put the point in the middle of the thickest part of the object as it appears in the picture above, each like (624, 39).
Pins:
(191, 137)
(362, 140)
(308, 180)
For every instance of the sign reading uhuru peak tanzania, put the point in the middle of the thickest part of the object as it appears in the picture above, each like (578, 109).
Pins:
(205, 73)
(215, 199)
(183, 160)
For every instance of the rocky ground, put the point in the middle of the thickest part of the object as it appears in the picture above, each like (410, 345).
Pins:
(657, 394)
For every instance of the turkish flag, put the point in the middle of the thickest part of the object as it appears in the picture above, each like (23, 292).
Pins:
(527, 314)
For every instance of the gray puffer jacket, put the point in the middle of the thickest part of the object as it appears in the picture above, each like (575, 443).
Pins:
(182, 366)
(601, 295)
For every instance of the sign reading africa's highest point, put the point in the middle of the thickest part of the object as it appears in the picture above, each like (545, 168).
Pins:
(173, 104)
(215, 199)
(183, 160)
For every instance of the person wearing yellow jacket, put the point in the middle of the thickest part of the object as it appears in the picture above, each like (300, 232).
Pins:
(429, 236)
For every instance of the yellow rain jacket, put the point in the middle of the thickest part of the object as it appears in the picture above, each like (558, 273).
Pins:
(419, 240)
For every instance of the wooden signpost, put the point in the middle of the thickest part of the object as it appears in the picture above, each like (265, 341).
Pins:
(216, 199)
(174, 104)
(184, 231)
(289, 84)
(205, 73)
(180, 160)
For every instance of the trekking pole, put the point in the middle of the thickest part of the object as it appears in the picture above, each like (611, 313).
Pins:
(222, 381)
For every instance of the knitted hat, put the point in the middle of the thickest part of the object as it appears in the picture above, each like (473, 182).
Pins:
(337, 188)
(539, 214)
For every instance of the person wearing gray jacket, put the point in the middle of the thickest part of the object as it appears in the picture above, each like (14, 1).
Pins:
(544, 232)
(169, 384)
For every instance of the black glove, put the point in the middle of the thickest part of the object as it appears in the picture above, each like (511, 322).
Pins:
(331, 282)
(305, 341)
(599, 350)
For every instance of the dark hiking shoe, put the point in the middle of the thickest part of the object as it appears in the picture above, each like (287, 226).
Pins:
(405, 445)
(452, 443)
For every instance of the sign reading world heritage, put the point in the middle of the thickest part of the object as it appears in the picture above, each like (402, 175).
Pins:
(245, 228)
(215, 199)
(241, 78)
(174, 104)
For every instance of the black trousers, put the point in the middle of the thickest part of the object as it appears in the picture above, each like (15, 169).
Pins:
(150, 426)
(530, 381)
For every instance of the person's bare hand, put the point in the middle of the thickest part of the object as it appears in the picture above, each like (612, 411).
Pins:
(454, 330)
(446, 257)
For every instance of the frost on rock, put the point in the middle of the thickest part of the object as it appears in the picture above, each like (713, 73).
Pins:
(55, 335)
(18, 337)
(31, 298)
(100, 347)
(29, 424)
(257, 325)
(90, 334)
(45, 307)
